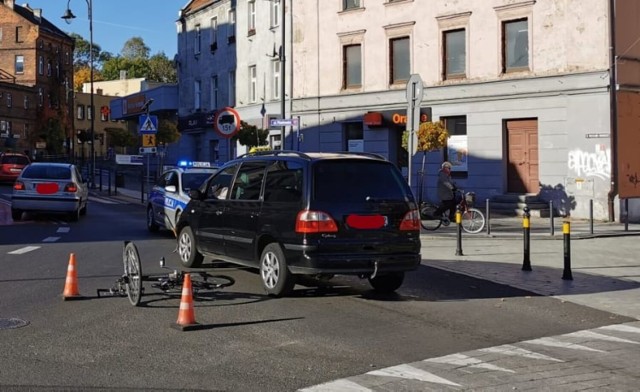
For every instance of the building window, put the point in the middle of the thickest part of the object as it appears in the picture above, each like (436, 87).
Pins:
(350, 4)
(48, 68)
(40, 96)
(253, 83)
(232, 88)
(19, 64)
(515, 45)
(67, 56)
(18, 34)
(275, 13)
(197, 94)
(9, 100)
(231, 28)
(105, 111)
(214, 92)
(214, 34)
(454, 54)
(89, 112)
(276, 78)
(351, 66)
(354, 136)
(252, 17)
(400, 60)
(80, 112)
(26, 102)
(457, 148)
(40, 65)
(197, 40)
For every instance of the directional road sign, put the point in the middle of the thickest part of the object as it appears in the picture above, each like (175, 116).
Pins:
(283, 122)
(148, 124)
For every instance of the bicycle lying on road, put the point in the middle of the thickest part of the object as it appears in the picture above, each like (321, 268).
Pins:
(473, 219)
(130, 283)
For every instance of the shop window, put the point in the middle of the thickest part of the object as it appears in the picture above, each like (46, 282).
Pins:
(354, 136)
(457, 146)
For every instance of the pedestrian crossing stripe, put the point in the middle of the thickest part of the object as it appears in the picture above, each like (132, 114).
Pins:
(148, 125)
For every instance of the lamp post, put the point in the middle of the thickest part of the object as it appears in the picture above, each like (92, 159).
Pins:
(68, 17)
(283, 69)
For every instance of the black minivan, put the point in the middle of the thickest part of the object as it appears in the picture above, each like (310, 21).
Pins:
(289, 213)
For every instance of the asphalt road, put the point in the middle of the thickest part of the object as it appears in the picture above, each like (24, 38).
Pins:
(248, 341)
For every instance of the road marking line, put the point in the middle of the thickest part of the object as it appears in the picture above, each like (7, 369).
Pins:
(508, 349)
(51, 239)
(413, 373)
(622, 328)
(464, 360)
(338, 385)
(599, 336)
(63, 230)
(24, 250)
(103, 201)
(550, 342)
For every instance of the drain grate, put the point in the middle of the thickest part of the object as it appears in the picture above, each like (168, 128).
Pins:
(12, 323)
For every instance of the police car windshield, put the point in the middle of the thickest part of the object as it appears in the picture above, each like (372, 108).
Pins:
(193, 180)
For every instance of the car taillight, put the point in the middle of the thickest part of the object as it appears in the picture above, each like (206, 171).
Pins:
(71, 187)
(315, 222)
(18, 186)
(411, 221)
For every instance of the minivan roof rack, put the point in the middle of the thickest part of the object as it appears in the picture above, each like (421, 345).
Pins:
(276, 153)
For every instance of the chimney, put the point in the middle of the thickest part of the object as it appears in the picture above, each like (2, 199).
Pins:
(37, 13)
(9, 3)
(123, 74)
(99, 91)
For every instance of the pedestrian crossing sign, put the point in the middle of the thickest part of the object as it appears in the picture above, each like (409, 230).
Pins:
(148, 140)
(148, 124)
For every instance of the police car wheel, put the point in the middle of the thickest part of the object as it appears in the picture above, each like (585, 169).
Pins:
(151, 223)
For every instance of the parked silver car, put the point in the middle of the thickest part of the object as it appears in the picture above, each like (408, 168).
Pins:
(47, 187)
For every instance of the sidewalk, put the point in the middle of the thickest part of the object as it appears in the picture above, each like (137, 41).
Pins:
(605, 269)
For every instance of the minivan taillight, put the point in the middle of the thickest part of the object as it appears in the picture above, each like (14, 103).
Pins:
(18, 186)
(71, 187)
(315, 222)
(411, 221)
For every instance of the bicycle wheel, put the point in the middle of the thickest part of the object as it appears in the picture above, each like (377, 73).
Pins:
(133, 273)
(211, 282)
(473, 221)
(428, 220)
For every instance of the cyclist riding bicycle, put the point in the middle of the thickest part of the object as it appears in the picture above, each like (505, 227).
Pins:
(446, 193)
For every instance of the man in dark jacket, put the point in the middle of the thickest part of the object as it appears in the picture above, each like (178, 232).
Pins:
(446, 193)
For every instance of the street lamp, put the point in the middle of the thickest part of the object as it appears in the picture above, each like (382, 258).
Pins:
(68, 17)
(283, 69)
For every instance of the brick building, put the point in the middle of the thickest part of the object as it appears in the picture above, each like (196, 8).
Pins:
(36, 54)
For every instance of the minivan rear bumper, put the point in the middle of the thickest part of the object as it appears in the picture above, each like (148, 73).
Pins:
(350, 264)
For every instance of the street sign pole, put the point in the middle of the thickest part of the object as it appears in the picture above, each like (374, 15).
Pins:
(414, 99)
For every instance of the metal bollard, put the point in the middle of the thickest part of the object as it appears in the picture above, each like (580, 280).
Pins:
(552, 228)
(591, 216)
(526, 229)
(566, 233)
(459, 232)
(488, 215)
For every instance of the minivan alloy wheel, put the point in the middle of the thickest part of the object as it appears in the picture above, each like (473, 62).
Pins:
(276, 278)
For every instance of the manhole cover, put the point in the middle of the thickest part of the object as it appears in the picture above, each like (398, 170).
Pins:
(11, 323)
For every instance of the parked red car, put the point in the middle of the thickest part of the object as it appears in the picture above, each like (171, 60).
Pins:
(11, 165)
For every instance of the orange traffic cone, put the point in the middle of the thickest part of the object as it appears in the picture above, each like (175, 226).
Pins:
(186, 315)
(71, 283)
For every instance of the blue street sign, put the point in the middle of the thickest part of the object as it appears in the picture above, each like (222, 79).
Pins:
(283, 122)
(147, 124)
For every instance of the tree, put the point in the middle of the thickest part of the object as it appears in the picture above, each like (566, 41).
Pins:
(120, 137)
(431, 136)
(81, 57)
(83, 75)
(135, 48)
(136, 68)
(250, 135)
(161, 69)
(167, 132)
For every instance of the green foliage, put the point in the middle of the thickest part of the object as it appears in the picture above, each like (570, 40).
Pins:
(136, 68)
(250, 135)
(53, 135)
(167, 132)
(120, 137)
(135, 48)
(81, 57)
(161, 69)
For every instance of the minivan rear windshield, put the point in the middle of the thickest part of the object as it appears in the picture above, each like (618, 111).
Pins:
(357, 181)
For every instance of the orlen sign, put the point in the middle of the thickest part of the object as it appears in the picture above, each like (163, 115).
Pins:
(399, 117)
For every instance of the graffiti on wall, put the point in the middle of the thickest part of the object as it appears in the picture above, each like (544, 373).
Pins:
(591, 164)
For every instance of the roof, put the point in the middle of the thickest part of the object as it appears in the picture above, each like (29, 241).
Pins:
(195, 5)
(27, 12)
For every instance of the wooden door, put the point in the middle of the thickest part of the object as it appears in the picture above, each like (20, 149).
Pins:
(522, 152)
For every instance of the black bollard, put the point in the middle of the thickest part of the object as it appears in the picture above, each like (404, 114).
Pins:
(552, 229)
(459, 232)
(566, 234)
(526, 230)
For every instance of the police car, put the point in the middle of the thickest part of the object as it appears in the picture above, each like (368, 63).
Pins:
(170, 194)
